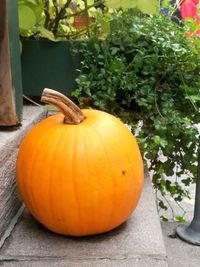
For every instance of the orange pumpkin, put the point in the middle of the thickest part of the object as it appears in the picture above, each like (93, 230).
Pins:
(80, 173)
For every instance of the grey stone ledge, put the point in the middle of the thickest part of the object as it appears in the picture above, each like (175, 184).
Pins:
(10, 140)
(138, 242)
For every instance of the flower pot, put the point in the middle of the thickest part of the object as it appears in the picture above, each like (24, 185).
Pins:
(80, 21)
(48, 64)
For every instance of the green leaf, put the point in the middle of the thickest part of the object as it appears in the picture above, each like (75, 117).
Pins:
(128, 3)
(186, 181)
(38, 10)
(32, 1)
(162, 205)
(163, 218)
(180, 219)
(27, 18)
(160, 141)
(148, 6)
(116, 4)
(46, 34)
(117, 66)
(194, 98)
(157, 139)
(105, 27)
(163, 143)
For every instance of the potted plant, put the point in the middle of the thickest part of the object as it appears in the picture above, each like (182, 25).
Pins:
(47, 30)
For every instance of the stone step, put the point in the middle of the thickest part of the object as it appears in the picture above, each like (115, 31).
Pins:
(10, 139)
(138, 242)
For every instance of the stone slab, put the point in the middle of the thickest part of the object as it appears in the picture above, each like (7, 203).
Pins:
(10, 140)
(135, 262)
(138, 242)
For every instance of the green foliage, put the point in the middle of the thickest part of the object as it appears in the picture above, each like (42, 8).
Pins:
(147, 70)
(146, 6)
(54, 19)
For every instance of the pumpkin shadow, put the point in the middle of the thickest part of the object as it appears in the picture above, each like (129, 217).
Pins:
(102, 236)
(37, 228)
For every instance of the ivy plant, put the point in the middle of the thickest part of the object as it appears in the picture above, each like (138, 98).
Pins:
(147, 70)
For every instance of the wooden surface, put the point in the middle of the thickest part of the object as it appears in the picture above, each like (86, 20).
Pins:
(8, 115)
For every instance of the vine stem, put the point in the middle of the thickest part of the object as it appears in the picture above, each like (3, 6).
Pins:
(72, 113)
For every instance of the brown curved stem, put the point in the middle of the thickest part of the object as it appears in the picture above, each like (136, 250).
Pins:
(72, 113)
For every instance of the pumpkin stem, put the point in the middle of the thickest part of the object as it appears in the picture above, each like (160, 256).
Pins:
(71, 112)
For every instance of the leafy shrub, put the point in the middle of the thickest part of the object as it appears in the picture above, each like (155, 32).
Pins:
(146, 69)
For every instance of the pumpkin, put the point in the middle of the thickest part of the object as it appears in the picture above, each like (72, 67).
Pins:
(81, 172)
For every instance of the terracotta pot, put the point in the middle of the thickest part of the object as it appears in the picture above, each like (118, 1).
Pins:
(80, 21)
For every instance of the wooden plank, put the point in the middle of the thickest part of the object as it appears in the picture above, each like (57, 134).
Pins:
(10, 114)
